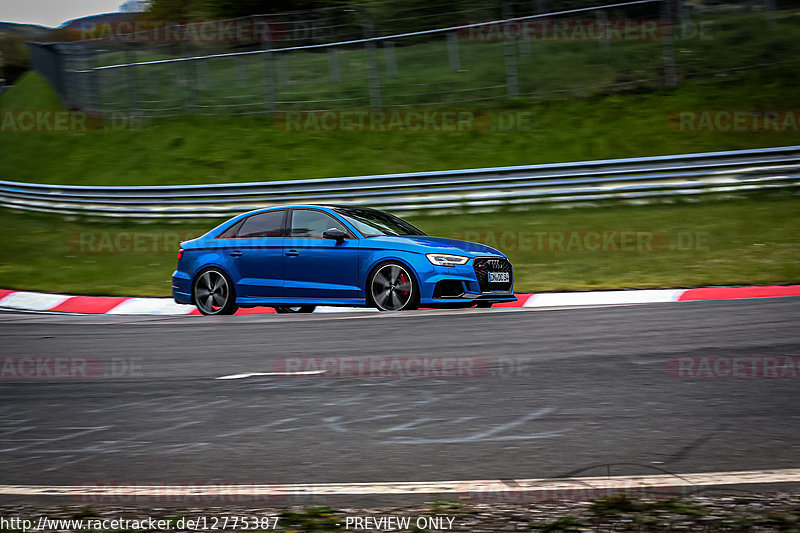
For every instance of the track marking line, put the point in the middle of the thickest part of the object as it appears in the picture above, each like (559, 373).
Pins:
(604, 297)
(150, 306)
(544, 485)
(251, 374)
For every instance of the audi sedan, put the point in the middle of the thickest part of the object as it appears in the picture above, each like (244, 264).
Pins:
(296, 258)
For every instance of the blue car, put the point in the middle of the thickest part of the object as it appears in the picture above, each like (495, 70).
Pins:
(296, 258)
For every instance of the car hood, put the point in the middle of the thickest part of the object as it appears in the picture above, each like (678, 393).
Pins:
(428, 244)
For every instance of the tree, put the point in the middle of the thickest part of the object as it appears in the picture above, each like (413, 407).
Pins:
(14, 57)
(134, 6)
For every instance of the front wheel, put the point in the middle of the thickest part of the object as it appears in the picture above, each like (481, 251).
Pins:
(213, 293)
(298, 309)
(392, 288)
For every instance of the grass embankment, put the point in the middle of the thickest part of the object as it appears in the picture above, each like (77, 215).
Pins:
(590, 121)
(740, 242)
(748, 241)
(216, 150)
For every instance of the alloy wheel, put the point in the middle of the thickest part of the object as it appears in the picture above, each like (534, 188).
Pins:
(212, 293)
(392, 288)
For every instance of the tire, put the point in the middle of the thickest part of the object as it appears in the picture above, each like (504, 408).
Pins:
(213, 293)
(392, 287)
(298, 309)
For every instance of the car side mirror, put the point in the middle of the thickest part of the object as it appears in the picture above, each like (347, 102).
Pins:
(334, 233)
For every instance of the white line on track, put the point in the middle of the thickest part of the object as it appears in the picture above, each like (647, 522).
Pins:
(251, 374)
(11, 315)
(544, 485)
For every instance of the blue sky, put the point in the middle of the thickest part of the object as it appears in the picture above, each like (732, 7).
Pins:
(53, 12)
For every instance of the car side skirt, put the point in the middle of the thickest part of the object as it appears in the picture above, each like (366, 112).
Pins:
(291, 302)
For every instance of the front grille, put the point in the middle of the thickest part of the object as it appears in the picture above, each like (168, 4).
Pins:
(484, 265)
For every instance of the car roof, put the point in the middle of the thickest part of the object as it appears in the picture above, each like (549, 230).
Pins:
(331, 207)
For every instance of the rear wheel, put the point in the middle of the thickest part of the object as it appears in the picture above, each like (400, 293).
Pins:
(392, 288)
(297, 309)
(213, 293)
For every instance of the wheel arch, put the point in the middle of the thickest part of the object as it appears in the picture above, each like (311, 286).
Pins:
(384, 261)
(211, 266)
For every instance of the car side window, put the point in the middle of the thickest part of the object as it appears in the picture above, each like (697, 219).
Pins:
(231, 231)
(310, 224)
(268, 224)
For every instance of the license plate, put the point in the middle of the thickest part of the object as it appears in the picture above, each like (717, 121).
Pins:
(499, 277)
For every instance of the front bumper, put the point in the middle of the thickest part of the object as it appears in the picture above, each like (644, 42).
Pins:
(462, 285)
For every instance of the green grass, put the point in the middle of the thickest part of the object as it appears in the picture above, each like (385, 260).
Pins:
(752, 241)
(622, 504)
(208, 150)
(746, 241)
(310, 519)
(424, 76)
(562, 523)
(584, 123)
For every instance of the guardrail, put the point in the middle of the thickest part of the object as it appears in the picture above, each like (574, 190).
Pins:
(485, 188)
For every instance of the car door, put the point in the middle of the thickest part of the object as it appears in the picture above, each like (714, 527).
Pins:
(255, 251)
(315, 267)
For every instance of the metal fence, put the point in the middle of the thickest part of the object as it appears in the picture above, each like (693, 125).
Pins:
(636, 179)
(355, 57)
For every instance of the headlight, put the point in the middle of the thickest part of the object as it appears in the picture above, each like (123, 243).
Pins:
(446, 260)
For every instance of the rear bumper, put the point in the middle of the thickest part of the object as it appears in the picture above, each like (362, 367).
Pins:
(181, 287)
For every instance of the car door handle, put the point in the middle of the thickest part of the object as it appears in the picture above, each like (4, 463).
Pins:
(236, 253)
(292, 252)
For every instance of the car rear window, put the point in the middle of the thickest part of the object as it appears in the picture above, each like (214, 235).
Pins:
(268, 224)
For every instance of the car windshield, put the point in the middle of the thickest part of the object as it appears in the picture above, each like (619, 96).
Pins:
(372, 223)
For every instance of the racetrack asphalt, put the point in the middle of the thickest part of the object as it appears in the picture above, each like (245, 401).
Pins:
(551, 392)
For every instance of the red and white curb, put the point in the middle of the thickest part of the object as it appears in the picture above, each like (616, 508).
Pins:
(121, 305)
